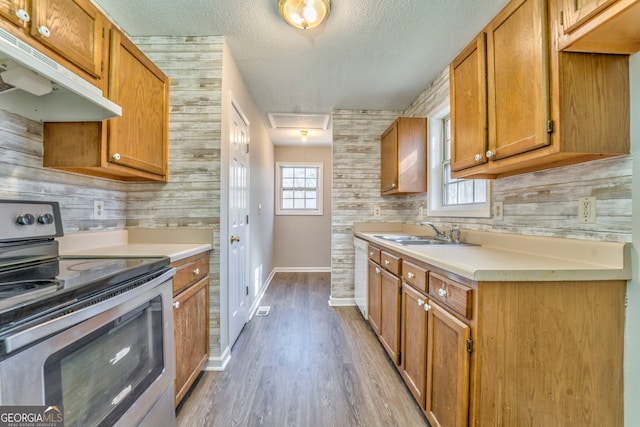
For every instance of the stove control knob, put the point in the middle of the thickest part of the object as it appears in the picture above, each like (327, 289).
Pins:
(45, 219)
(26, 219)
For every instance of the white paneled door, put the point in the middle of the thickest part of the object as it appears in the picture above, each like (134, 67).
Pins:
(238, 222)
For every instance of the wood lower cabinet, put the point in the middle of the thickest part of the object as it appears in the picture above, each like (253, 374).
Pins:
(133, 147)
(413, 364)
(403, 157)
(477, 353)
(390, 288)
(448, 364)
(374, 296)
(545, 108)
(191, 321)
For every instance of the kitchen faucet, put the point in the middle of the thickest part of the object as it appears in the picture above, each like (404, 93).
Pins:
(440, 235)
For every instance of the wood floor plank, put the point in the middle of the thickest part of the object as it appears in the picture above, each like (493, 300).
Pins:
(306, 364)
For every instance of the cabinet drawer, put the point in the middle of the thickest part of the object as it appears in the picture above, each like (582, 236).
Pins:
(416, 276)
(374, 254)
(189, 270)
(390, 262)
(452, 294)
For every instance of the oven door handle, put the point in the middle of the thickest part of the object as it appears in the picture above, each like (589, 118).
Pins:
(23, 338)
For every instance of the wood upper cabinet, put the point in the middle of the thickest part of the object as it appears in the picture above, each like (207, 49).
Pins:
(138, 139)
(12, 10)
(134, 147)
(413, 364)
(603, 26)
(468, 98)
(448, 364)
(545, 108)
(73, 29)
(190, 320)
(403, 157)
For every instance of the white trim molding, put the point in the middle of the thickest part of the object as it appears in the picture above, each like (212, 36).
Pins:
(341, 302)
(302, 269)
(219, 363)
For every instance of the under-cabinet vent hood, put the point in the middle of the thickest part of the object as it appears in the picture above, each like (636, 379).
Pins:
(34, 86)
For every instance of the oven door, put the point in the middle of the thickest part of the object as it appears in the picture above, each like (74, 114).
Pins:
(109, 369)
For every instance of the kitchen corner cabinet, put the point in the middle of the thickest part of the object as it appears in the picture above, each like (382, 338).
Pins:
(403, 157)
(545, 108)
(69, 31)
(191, 320)
(133, 147)
(602, 26)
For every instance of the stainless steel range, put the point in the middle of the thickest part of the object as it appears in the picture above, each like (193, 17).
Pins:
(93, 337)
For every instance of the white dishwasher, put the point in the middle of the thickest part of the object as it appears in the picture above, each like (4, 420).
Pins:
(361, 275)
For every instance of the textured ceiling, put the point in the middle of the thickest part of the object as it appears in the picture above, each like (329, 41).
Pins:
(369, 54)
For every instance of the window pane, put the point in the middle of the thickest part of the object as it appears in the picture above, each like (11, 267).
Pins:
(298, 204)
(480, 195)
(287, 204)
(287, 172)
(311, 204)
(312, 172)
(287, 183)
(287, 194)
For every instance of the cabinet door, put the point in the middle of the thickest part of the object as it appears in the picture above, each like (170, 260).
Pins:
(468, 87)
(447, 369)
(9, 11)
(374, 296)
(414, 343)
(138, 139)
(72, 28)
(577, 12)
(389, 159)
(518, 84)
(390, 314)
(191, 335)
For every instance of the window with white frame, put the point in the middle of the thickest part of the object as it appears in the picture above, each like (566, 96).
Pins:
(299, 188)
(451, 196)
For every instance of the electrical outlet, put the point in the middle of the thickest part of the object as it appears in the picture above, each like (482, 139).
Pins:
(376, 211)
(587, 210)
(98, 209)
(498, 211)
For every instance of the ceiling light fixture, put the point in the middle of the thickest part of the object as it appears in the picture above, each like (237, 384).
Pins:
(304, 134)
(304, 14)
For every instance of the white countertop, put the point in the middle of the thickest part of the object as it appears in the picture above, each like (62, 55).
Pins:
(510, 257)
(176, 244)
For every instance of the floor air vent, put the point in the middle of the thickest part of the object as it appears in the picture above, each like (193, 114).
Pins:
(263, 310)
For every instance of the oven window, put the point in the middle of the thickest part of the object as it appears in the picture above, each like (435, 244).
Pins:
(99, 377)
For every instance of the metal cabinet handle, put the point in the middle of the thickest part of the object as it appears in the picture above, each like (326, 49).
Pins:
(176, 305)
(490, 154)
(410, 275)
(393, 185)
(442, 292)
(116, 156)
(196, 271)
(386, 262)
(478, 157)
(420, 302)
(377, 270)
(235, 239)
(23, 15)
(44, 31)
(427, 307)
(370, 253)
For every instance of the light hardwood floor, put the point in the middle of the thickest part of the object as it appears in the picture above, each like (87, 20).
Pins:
(305, 364)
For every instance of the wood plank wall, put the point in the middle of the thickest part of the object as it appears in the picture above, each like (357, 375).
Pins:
(191, 198)
(541, 203)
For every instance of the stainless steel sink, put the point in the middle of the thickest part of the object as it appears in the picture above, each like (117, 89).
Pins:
(406, 239)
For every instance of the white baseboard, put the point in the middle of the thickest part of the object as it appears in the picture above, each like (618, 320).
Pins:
(256, 302)
(302, 269)
(219, 363)
(341, 302)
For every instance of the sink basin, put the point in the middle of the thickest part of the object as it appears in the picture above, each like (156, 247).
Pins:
(406, 239)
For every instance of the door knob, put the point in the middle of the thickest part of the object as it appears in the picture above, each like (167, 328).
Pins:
(235, 239)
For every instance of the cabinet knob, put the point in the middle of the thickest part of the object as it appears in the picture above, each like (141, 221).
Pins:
(478, 157)
(377, 270)
(410, 275)
(196, 271)
(23, 15)
(370, 253)
(386, 262)
(490, 154)
(427, 307)
(44, 31)
(442, 292)
(176, 305)
(25, 219)
(393, 185)
(420, 302)
(116, 156)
